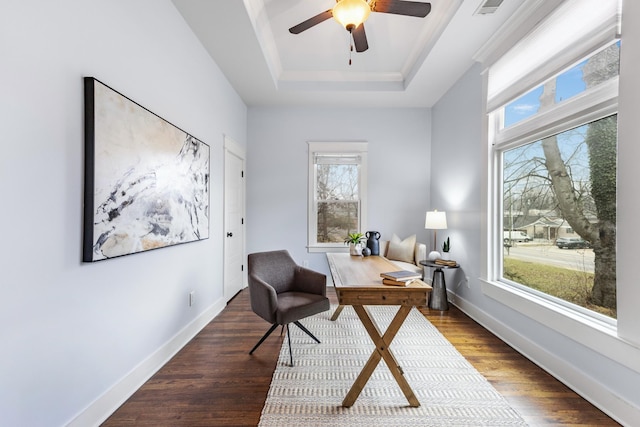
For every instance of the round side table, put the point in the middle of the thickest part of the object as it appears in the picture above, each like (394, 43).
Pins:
(438, 296)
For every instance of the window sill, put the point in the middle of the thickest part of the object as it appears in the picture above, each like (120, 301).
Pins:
(597, 335)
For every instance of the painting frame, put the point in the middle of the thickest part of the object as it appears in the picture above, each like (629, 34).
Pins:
(146, 181)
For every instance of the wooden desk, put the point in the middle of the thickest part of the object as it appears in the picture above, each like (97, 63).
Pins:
(358, 283)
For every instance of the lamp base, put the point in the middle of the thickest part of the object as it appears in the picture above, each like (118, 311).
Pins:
(434, 255)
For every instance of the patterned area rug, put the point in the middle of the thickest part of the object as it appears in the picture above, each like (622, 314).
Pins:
(450, 390)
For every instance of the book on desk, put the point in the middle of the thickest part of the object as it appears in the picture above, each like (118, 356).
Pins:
(398, 282)
(399, 278)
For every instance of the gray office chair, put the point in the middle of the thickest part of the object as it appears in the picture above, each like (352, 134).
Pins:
(282, 292)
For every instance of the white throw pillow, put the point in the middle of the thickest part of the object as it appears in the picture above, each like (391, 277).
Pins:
(402, 250)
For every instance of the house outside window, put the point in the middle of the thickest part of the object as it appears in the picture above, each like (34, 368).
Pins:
(553, 133)
(337, 193)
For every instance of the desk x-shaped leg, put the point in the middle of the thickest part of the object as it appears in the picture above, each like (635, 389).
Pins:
(382, 351)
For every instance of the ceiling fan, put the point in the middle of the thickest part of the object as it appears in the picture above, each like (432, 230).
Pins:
(352, 14)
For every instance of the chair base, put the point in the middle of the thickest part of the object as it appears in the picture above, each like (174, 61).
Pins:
(274, 326)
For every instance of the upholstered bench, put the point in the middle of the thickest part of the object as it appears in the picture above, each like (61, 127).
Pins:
(406, 254)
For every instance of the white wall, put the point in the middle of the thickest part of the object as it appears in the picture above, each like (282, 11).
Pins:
(457, 166)
(608, 375)
(277, 163)
(73, 334)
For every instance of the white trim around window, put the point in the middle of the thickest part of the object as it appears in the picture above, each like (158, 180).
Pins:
(359, 151)
(593, 331)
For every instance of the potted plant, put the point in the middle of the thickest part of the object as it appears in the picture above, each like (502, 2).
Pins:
(446, 246)
(354, 240)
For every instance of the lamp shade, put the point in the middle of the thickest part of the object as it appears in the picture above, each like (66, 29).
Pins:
(435, 220)
(351, 13)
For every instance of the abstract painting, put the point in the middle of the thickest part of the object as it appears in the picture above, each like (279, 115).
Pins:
(146, 181)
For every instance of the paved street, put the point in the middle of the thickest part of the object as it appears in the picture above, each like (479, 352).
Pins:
(574, 259)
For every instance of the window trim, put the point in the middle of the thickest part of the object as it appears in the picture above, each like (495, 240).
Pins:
(621, 345)
(565, 116)
(529, 301)
(359, 148)
(589, 106)
(599, 336)
(508, 82)
(597, 331)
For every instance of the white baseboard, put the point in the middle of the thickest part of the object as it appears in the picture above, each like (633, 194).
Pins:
(596, 393)
(101, 408)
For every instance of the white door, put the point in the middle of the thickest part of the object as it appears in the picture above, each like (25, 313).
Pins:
(234, 202)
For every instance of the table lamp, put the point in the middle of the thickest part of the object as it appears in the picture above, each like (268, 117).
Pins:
(435, 221)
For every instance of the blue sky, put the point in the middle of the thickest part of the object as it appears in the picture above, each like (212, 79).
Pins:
(568, 84)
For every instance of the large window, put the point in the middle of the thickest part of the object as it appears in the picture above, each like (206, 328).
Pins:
(555, 156)
(337, 193)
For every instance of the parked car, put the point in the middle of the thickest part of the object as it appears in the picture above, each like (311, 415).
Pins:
(516, 236)
(572, 243)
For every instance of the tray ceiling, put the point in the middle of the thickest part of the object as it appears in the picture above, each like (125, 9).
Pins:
(411, 62)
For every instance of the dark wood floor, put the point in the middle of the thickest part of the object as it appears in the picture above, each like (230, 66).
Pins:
(214, 382)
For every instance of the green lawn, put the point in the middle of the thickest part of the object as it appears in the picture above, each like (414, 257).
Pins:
(569, 285)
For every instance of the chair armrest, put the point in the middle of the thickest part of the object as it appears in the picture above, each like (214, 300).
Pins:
(310, 281)
(421, 253)
(384, 244)
(264, 299)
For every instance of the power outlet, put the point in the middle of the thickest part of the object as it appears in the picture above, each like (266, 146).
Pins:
(305, 263)
(467, 280)
(192, 298)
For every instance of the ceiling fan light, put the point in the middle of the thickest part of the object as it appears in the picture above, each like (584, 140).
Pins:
(351, 13)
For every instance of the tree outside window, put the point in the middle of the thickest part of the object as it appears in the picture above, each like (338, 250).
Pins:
(337, 193)
(564, 185)
(338, 204)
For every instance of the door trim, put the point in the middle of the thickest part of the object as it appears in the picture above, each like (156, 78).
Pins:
(231, 147)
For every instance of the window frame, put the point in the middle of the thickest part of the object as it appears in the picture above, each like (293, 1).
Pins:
(357, 148)
(589, 106)
(595, 331)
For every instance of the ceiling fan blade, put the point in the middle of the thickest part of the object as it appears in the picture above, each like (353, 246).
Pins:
(402, 7)
(360, 38)
(305, 25)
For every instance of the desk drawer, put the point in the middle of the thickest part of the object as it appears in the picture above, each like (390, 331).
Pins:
(391, 296)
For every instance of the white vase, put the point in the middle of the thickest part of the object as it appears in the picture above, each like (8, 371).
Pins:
(445, 256)
(355, 249)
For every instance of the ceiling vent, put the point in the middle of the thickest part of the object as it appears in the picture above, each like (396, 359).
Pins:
(487, 7)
